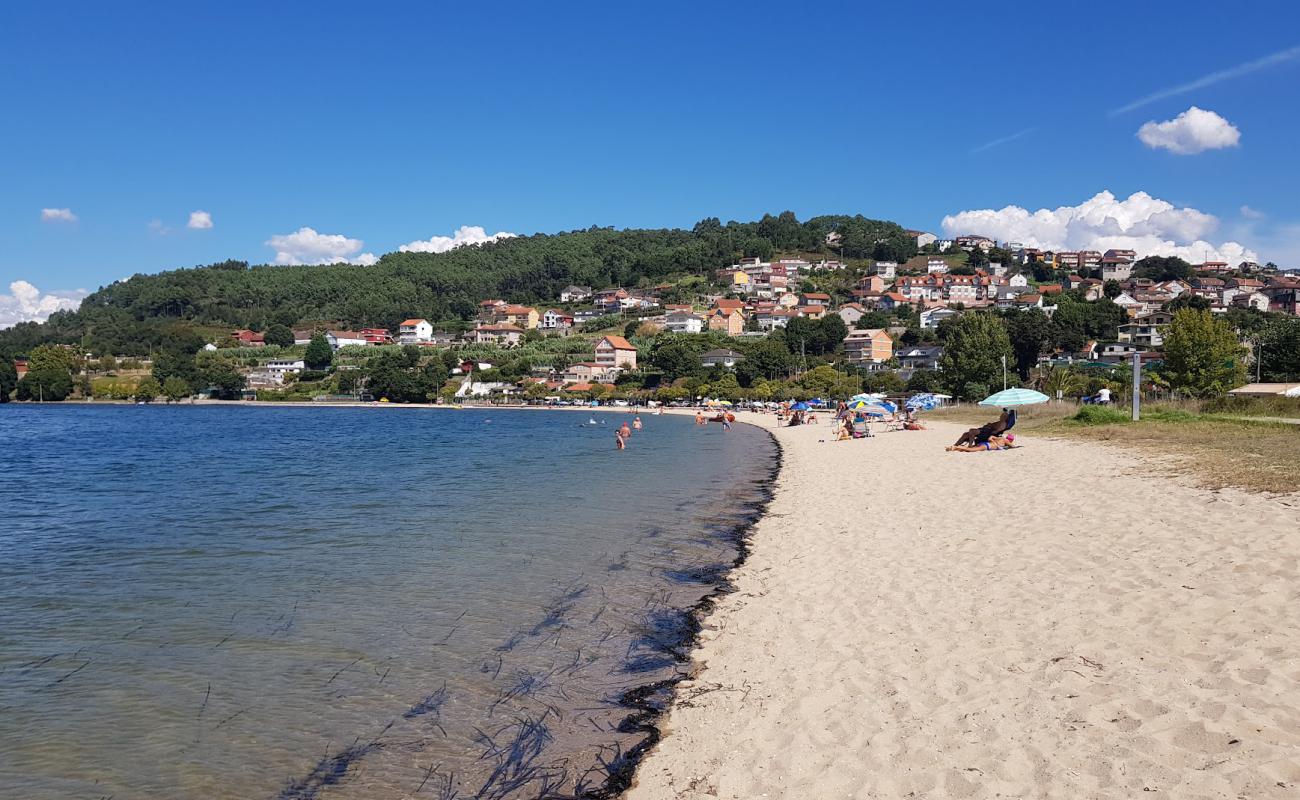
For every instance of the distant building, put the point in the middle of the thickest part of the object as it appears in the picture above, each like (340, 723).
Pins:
(575, 294)
(615, 353)
(554, 319)
(870, 346)
(721, 358)
(498, 333)
(683, 322)
(247, 338)
(377, 336)
(339, 339)
(922, 238)
(885, 269)
(920, 356)
(414, 331)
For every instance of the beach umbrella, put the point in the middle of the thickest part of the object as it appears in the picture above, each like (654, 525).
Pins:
(800, 406)
(857, 403)
(889, 406)
(1015, 397)
(922, 402)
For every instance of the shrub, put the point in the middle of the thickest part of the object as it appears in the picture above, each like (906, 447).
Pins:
(1100, 415)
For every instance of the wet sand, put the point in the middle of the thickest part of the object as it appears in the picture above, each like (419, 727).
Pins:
(1055, 621)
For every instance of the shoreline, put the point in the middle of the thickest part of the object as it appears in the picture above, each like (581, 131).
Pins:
(934, 644)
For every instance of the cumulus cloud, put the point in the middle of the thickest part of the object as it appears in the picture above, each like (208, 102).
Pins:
(306, 246)
(57, 215)
(199, 220)
(26, 303)
(1141, 222)
(465, 234)
(1193, 131)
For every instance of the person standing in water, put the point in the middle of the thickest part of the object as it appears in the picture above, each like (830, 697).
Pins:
(625, 431)
(636, 423)
(619, 442)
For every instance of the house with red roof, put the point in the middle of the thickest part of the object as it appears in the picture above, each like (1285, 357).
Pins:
(615, 353)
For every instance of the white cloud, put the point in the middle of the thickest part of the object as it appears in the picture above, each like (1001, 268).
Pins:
(1141, 222)
(1251, 213)
(57, 215)
(1193, 131)
(306, 246)
(465, 234)
(26, 303)
(157, 228)
(199, 220)
(1272, 59)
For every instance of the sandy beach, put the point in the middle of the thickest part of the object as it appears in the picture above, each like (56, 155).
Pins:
(1055, 621)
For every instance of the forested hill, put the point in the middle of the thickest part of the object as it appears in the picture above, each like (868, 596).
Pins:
(133, 316)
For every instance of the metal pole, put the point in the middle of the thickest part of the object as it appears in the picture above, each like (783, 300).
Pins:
(1004, 373)
(1259, 358)
(1137, 386)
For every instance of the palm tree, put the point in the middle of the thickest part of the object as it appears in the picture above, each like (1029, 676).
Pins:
(1060, 381)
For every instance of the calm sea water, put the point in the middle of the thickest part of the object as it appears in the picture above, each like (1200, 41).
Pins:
(286, 603)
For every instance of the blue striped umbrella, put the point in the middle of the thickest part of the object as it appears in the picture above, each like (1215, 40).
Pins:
(922, 402)
(800, 406)
(1015, 397)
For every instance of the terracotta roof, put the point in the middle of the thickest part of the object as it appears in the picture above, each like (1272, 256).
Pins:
(410, 323)
(500, 328)
(618, 342)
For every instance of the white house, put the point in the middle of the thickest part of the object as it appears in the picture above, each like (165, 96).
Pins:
(936, 266)
(931, 317)
(281, 366)
(885, 269)
(923, 238)
(575, 294)
(680, 322)
(1017, 280)
(339, 339)
(415, 331)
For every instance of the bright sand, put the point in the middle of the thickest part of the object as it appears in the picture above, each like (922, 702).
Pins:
(1055, 621)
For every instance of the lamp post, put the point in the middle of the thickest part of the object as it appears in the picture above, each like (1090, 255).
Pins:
(1004, 373)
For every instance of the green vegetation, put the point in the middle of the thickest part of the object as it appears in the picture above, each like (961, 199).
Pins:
(319, 354)
(151, 312)
(8, 379)
(974, 346)
(1202, 354)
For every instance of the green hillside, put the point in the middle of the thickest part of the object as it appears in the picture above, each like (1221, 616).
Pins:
(146, 311)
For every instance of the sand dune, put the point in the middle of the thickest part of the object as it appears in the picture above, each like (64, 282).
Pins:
(1049, 622)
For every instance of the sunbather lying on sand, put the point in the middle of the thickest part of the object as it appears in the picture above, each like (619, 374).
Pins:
(993, 443)
(981, 434)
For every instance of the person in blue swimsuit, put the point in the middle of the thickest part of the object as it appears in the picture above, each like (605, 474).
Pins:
(994, 443)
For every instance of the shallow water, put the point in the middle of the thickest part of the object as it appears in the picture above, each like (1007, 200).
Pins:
(358, 603)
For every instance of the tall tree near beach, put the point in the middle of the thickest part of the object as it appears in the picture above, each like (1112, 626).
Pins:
(319, 354)
(1202, 354)
(973, 349)
(1279, 351)
(1030, 332)
(8, 379)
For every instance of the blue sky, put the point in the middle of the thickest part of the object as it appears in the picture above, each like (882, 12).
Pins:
(388, 123)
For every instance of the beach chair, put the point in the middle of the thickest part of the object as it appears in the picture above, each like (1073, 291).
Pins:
(861, 430)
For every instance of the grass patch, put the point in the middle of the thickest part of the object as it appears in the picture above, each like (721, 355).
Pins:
(1100, 415)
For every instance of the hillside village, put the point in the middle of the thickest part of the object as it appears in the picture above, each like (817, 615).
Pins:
(751, 330)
